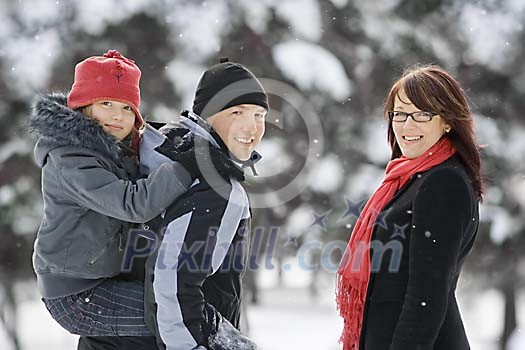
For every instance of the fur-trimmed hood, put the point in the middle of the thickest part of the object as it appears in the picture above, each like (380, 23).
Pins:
(54, 125)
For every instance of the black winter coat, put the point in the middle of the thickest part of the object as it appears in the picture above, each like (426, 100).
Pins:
(193, 279)
(419, 245)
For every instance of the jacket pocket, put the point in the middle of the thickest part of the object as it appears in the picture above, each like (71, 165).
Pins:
(105, 248)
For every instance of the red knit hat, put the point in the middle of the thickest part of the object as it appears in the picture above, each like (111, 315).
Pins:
(112, 77)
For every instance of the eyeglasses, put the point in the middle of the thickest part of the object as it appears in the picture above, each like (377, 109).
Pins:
(419, 116)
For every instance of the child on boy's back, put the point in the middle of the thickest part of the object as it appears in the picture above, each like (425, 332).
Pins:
(87, 148)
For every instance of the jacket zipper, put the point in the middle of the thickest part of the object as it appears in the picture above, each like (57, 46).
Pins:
(102, 251)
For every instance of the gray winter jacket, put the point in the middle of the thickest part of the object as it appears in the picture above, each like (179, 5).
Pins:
(89, 199)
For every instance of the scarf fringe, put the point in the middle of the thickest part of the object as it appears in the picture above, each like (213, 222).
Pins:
(350, 304)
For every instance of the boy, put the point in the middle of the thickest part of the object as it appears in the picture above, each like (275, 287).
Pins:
(193, 290)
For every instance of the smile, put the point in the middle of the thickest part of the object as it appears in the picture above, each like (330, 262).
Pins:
(116, 127)
(412, 138)
(244, 140)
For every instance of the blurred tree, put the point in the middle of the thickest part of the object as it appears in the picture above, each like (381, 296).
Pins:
(341, 55)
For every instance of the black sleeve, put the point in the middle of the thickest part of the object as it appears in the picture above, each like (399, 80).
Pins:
(442, 210)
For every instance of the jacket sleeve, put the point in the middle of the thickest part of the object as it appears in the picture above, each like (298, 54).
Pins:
(88, 182)
(442, 210)
(194, 246)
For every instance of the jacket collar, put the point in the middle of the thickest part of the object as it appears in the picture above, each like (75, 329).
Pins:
(55, 125)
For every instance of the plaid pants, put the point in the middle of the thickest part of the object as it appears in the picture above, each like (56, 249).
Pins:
(112, 308)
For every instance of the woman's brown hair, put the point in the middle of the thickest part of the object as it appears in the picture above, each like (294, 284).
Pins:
(432, 89)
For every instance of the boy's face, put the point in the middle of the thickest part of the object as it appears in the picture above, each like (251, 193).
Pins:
(240, 127)
(116, 118)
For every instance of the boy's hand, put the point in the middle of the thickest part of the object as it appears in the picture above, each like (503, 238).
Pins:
(228, 337)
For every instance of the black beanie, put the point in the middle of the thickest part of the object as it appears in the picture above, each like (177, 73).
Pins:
(225, 85)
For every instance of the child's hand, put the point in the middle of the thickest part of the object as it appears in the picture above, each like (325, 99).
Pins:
(210, 158)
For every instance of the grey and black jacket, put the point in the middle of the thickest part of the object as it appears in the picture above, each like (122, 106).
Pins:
(89, 198)
(193, 279)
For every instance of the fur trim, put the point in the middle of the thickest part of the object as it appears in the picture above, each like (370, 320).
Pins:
(54, 124)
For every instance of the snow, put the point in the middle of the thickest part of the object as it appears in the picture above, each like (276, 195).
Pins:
(299, 220)
(26, 224)
(37, 13)
(4, 340)
(95, 15)
(386, 30)
(197, 27)
(311, 66)
(489, 133)
(184, 76)
(516, 188)
(501, 139)
(515, 145)
(274, 158)
(14, 146)
(22, 54)
(493, 195)
(489, 35)
(482, 315)
(364, 181)
(363, 67)
(6, 25)
(327, 175)
(38, 330)
(441, 46)
(289, 318)
(518, 80)
(504, 226)
(378, 6)
(339, 3)
(303, 16)
(517, 340)
(375, 143)
(7, 194)
(257, 15)
(162, 113)
(30, 32)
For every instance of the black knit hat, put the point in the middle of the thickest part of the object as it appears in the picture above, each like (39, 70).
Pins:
(225, 85)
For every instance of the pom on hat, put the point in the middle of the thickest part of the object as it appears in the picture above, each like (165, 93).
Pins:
(111, 76)
(114, 54)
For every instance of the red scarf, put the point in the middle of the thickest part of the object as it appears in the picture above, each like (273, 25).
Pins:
(354, 271)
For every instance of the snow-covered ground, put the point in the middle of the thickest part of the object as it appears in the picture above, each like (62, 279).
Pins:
(285, 318)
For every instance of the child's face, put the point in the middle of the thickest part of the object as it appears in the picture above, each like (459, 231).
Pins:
(240, 127)
(116, 118)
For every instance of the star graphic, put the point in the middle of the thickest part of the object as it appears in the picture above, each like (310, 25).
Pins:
(292, 239)
(352, 208)
(319, 220)
(381, 219)
(399, 231)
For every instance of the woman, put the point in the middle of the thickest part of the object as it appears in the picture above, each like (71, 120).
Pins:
(397, 280)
